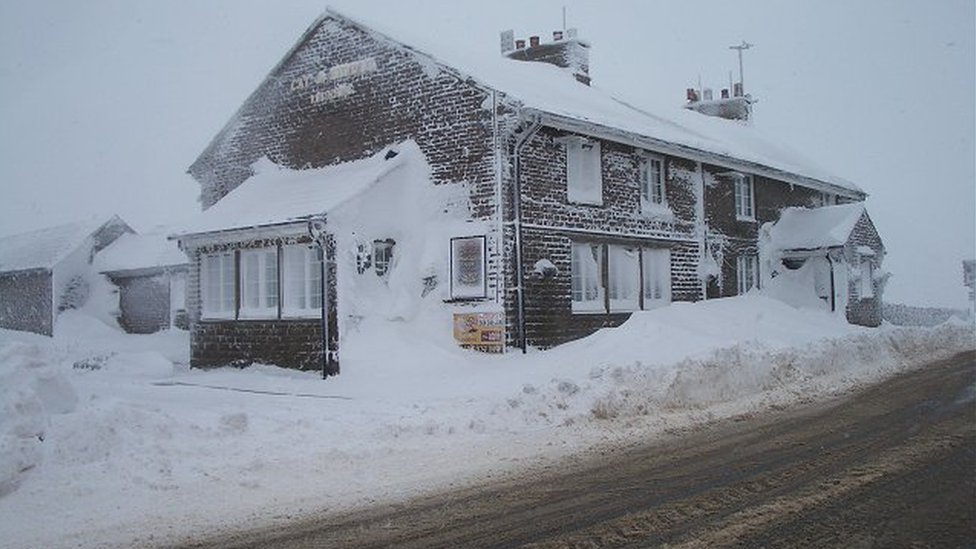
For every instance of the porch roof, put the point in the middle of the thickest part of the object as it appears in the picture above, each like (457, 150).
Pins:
(815, 228)
(276, 195)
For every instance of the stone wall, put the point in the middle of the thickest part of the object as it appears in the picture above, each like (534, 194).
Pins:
(144, 304)
(866, 311)
(26, 301)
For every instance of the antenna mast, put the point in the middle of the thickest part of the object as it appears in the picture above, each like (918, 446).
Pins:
(743, 46)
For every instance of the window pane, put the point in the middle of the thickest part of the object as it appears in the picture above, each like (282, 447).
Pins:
(657, 277)
(271, 279)
(587, 291)
(624, 275)
(656, 180)
(468, 267)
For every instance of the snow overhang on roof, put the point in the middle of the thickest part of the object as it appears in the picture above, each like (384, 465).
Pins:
(816, 228)
(139, 252)
(44, 248)
(279, 196)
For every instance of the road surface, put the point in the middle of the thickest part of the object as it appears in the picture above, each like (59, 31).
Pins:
(891, 466)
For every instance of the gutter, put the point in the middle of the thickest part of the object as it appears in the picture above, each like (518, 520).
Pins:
(596, 129)
(523, 133)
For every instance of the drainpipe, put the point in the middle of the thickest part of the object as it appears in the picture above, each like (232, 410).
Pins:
(523, 134)
(833, 292)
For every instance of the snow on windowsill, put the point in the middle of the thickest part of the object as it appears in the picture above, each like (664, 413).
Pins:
(656, 211)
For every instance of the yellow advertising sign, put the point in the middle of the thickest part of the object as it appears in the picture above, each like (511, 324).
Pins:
(483, 332)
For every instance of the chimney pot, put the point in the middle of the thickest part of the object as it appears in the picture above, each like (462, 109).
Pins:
(520, 44)
(725, 93)
(737, 89)
(557, 36)
(691, 95)
(533, 41)
(707, 94)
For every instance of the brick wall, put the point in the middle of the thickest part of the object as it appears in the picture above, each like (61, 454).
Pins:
(343, 94)
(551, 223)
(864, 311)
(144, 305)
(25, 301)
(731, 237)
(288, 343)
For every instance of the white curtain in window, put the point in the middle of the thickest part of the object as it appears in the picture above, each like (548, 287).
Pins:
(657, 277)
(259, 283)
(624, 278)
(301, 281)
(587, 290)
(217, 285)
(584, 176)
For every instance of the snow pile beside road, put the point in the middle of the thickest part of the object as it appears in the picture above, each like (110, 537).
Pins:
(31, 389)
(128, 447)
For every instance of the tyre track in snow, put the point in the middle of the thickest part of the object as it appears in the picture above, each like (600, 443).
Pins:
(878, 467)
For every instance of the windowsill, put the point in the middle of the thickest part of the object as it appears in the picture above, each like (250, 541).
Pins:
(746, 219)
(270, 314)
(221, 317)
(310, 314)
(584, 202)
(657, 211)
(466, 299)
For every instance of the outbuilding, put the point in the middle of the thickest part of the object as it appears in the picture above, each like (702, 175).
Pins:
(46, 271)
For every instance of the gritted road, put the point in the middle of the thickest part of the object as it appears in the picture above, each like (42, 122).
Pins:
(892, 466)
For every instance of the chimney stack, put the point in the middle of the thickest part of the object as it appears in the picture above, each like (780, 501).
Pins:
(565, 51)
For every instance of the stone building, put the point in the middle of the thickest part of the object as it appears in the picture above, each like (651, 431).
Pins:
(556, 209)
(150, 273)
(47, 271)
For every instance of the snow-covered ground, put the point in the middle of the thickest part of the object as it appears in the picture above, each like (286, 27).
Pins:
(109, 439)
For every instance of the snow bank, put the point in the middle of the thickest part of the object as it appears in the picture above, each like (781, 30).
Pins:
(31, 389)
(114, 435)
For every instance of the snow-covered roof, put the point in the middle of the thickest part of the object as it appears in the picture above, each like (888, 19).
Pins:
(811, 229)
(139, 251)
(553, 91)
(44, 248)
(277, 195)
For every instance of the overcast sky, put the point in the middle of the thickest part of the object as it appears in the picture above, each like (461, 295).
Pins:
(104, 104)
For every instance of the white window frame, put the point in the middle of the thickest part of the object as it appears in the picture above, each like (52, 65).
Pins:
(656, 277)
(383, 256)
(866, 290)
(653, 190)
(261, 285)
(301, 281)
(217, 286)
(747, 273)
(584, 171)
(745, 197)
(587, 293)
(469, 266)
(623, 278)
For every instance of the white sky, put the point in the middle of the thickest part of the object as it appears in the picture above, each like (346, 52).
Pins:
(104, 104)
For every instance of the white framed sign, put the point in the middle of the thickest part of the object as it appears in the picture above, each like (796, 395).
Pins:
(468, 262)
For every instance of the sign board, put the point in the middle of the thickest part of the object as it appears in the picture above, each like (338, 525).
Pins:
(483, 332)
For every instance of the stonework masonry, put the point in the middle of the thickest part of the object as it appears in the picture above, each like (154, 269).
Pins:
(25, 301)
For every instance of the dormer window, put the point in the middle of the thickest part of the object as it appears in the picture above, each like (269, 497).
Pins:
(651, 173)
(745, 197)
(584, 176)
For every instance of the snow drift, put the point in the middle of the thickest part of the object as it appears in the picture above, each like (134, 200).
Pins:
(127, 446)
